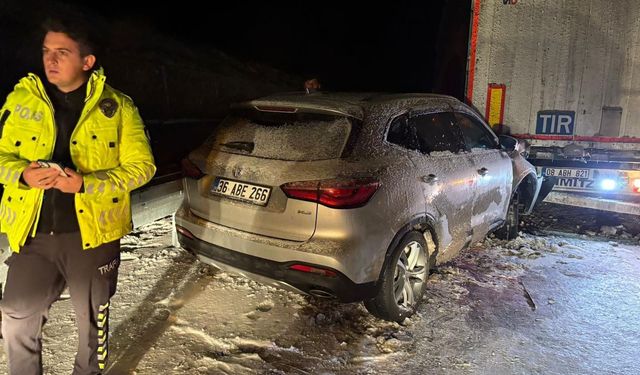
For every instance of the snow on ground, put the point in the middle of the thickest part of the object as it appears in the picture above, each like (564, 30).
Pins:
(542, 303)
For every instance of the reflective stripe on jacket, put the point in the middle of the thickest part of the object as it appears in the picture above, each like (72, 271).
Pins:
(108, 146)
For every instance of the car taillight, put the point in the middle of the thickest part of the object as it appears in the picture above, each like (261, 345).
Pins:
(189, 169)
(333, 193)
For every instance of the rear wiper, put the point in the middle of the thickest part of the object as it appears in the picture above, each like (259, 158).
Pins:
(244, 146)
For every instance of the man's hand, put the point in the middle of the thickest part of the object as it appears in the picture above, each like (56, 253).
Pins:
(71, 184)
(40, 178)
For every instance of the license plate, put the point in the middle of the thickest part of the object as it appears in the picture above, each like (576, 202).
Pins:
(241, 191)
(565, 183)
(568, 173)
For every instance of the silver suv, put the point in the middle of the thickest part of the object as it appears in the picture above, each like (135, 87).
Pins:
(350, 196)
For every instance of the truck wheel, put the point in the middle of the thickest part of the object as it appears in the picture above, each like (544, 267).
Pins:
(403, 280)
(509, 230)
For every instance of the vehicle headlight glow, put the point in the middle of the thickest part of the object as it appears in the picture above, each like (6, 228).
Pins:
(636, 183)
(608, 184)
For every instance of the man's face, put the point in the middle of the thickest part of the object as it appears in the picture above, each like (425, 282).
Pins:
(63, 64)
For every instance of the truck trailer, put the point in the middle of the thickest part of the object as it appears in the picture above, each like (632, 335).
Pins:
(564, 75)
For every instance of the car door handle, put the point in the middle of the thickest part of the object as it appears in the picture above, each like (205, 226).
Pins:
(430, 179)
(483, 171)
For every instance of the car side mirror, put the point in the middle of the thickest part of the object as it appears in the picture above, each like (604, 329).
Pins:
(510, 144)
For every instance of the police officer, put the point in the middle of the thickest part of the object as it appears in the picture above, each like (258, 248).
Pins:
(65, 228)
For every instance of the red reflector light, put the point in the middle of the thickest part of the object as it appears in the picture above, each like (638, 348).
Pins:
(333, 193)
(315, 270)
(189, 169)
(185, 232)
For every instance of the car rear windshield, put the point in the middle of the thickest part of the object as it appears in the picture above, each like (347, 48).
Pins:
(283, 136)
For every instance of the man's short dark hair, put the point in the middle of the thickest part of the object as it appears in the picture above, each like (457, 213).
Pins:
(76, 27)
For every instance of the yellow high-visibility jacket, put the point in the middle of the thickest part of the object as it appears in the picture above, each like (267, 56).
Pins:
(108, 146)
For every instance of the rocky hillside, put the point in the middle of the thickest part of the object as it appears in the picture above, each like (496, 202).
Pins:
(166, 77)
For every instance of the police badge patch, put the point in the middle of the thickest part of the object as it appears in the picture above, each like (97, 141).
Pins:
(108, 107)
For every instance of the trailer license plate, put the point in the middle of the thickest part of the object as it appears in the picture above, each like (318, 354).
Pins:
(241, 190)
(568, 172)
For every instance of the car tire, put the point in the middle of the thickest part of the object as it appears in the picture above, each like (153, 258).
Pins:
(509, 230)
(403, 280)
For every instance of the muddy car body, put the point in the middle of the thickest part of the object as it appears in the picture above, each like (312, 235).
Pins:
(350, 196)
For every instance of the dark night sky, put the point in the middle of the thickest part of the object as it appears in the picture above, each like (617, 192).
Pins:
(361, 46)
(404, 46)
(344, 46)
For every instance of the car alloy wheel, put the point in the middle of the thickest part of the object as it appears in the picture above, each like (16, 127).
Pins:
(509, 230)
(402, 280)
(410, 275)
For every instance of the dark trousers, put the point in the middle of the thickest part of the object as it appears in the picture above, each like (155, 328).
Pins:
(37, 275)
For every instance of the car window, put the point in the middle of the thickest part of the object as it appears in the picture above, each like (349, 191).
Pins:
(400, 133)
(475, 133)
(283, 136)
(437, 132)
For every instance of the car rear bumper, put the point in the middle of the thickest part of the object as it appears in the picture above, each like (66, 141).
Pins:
(279, 274)
(353, 253)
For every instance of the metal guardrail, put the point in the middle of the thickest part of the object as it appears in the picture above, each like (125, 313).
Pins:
(148, 204)
(155, 202)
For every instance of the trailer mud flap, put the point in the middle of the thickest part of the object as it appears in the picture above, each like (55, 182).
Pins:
(545, 187)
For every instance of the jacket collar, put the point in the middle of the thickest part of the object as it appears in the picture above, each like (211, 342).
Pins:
(95, 85)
